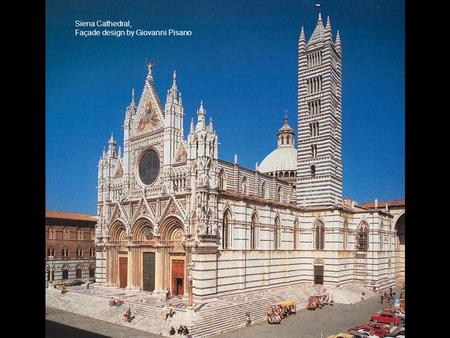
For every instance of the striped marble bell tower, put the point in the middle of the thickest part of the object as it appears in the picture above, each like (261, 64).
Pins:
(319, 154)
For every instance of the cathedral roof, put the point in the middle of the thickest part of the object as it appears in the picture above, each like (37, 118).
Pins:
(382, 204)
(281, 159)
(284, 157)
(318, 33)
(69, 215)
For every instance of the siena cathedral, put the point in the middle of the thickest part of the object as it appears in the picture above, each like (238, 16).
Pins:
(172, 215)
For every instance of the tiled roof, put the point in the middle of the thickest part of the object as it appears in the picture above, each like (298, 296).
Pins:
(70, 215)
(382, 204)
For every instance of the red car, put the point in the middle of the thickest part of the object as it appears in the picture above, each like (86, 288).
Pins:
(381, 327)
(379, 332)
(385, 317)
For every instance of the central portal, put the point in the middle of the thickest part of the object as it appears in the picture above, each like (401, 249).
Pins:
(177, 277)
(123, 272)
(149, 271)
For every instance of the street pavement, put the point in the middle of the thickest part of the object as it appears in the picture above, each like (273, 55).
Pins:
(305, 324)
(313, 324)
(63, 324)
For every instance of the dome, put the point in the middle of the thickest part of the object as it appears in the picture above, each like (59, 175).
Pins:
(284, 157)
(281, 159)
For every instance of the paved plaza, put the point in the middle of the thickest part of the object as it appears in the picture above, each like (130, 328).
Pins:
(305, 324)
(60, 323)
(313, 324)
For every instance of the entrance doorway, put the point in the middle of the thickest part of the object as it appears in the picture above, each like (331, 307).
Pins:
(148, 269)
(123, 271)
(177, 277)
(318, 274)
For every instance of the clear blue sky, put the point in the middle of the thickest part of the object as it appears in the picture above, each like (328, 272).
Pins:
(242, 61)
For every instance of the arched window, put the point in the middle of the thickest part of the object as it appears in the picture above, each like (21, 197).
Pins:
(400, 229)
(91, 272)
(65, 272)
(296, 234)
(345, 235)
(79, 252)
(363, 237)
(313, 171)
(277, 234)
(226, 231)
(319, 235)
(65, 252)
(253, 237)
(279, 194)
(263, 190)
(222, 180)
(50, 252)
(294, 192)
(79, 272)
(244, 186)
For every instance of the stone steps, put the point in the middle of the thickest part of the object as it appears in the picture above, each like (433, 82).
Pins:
(217, 321)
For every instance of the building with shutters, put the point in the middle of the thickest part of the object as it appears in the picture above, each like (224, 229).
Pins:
(69, 247)
(173, 215)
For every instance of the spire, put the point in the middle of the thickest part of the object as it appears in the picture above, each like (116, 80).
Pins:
(235, 159)
(328, 25)
(150, 73)
(112, 146)
(104, 152)
(210, 124)
(192, 125)
(317, 35)
(119, 153)
(132, 104)
(174, 79)
(337, 43)
(201, 114)
(302, 34)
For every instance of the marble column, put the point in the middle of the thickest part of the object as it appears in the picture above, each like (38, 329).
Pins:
(159, 270)
(130, 269)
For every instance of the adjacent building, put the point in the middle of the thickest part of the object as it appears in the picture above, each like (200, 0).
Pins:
(69, 247)
(172, 214)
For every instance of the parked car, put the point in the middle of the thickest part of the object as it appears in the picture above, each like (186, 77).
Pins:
(362, 334)
(380, 328)
(385, 317)
(397, 311)
(379, 331)
(397, 334)
(342, 335)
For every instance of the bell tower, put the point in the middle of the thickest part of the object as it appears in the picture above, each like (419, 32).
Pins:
(319, 154)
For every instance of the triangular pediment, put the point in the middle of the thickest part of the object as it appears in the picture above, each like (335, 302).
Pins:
(172, 207)
(143, 209)
(150, 114)
(181, 156)
(318, 34)
(119, 213)
(119, 170)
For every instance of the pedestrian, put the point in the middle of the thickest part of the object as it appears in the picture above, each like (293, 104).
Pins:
(185, 331)
(381, 298)
(167, 294)
(248, 321)
(180, 330)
